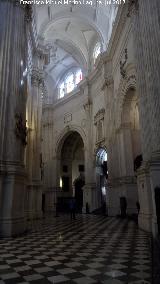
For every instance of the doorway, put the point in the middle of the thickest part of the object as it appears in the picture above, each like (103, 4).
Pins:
(72, 170)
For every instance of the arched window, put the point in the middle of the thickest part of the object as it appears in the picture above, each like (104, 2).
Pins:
(70, 82)
(96, 51)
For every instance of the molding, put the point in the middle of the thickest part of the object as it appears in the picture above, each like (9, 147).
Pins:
(67, 98)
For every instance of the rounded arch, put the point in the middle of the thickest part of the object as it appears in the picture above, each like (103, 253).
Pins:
(65, 133)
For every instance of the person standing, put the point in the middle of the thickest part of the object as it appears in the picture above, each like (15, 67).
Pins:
(72, 207)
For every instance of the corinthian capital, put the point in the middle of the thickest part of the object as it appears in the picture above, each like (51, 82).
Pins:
(29, 13)
(37, 77)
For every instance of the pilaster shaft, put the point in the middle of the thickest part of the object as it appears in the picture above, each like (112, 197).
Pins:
(147, 45)
(13, 43)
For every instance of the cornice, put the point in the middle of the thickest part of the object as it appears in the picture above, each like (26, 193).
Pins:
(67, 98)
(120, 21)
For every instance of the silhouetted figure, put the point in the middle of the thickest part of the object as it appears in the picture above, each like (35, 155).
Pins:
(123, 207)
(105, 169)
(43, 203)
(138, 162)
(72, 207)
(104, 208)
(78, 184)
(138, 207)
(157, 202)
(87, 208)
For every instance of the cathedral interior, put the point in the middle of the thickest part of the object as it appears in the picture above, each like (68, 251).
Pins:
(80, 142)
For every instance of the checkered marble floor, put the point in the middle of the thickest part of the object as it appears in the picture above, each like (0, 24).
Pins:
(90, 249)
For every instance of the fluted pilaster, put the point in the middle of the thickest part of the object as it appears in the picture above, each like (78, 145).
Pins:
(147, 45)
(13, 55)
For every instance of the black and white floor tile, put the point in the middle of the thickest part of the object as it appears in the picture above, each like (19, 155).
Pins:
(90, 249)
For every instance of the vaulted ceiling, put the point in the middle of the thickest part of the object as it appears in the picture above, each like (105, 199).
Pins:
(70, 31)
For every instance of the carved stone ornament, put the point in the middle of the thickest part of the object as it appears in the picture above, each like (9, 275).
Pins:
(87, 105)
(20, 129)
(132, 7)
(123, 64)
(107, 82)
(99, 115)
(29, 13)
(37, 77)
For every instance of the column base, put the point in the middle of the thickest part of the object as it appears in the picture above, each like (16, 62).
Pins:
(145, 222)
(122, 187)
(155, 183)
(51, 196)
(145, 198)
(12, 218)
(34, 210)
(12, 227)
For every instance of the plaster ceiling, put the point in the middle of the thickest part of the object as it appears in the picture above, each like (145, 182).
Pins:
(71, 32)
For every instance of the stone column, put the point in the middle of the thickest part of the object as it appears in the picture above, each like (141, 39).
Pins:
(145, 15)
(112, 198)
(13, 56)
(89, 190)
(34, 146)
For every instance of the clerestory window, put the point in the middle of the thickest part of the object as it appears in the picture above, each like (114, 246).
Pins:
(70, 82)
